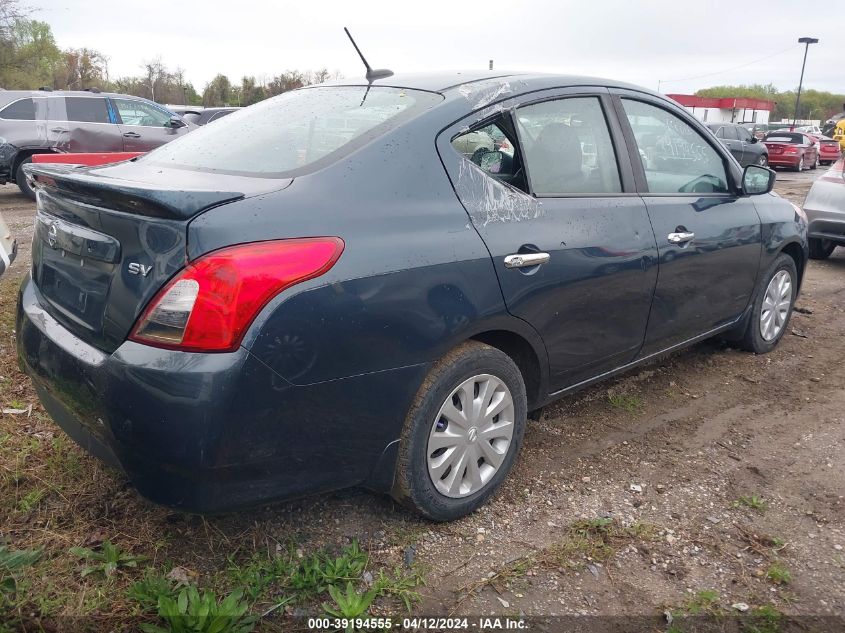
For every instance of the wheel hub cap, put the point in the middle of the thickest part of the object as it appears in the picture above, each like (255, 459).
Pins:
(776, 304)
(470, 436)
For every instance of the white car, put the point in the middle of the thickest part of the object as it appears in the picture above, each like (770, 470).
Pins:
(8, 246)
(809, 129)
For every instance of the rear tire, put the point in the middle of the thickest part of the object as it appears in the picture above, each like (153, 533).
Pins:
(815, 164)
(763, 161)
(421, 482)
(21, 180)
(821, 249)
(770, 314)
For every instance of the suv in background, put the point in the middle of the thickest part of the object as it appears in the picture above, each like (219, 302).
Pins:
(39, 122)
(745, 147)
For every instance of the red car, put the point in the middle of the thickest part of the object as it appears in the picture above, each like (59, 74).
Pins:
(792, 149)
(828, 149)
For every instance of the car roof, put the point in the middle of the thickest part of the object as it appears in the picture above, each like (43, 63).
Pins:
(7, 96)
(446, 81)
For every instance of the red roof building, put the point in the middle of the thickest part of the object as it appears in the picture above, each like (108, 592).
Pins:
(726, 109)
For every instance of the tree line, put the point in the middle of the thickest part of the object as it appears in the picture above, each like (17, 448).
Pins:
(31, 59)
(815, 104)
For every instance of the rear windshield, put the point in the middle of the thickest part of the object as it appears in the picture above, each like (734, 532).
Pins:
(785, 137)
(296, 132)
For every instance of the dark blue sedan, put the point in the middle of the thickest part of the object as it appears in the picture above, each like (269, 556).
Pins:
(374, 284)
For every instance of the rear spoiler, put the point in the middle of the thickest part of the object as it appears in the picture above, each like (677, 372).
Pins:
(64, 176)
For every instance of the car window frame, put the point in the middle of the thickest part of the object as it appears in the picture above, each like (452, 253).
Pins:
(155, 106)
(607, 113)
(733, 171)
(69, 120)
(14, 101)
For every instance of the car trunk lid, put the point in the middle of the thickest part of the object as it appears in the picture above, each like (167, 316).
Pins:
(107, 239)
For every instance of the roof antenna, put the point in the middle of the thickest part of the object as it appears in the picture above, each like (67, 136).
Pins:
(371, 75)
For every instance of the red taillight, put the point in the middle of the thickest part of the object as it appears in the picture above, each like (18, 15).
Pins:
(209, 305)
(791, 150)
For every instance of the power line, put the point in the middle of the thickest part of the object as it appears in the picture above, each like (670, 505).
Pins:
(727, 70)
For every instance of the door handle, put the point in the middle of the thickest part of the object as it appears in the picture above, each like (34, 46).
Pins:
(524, 260)
(131, 135)
(58, 130)
(680, 238)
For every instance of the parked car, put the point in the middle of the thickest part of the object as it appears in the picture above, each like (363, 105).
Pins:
(269, 308)
(207, 115)
(8, 246)
(828, 149)
(813, 130)
(792, 149)
(36, 122)
(825, 208)
(744, 146)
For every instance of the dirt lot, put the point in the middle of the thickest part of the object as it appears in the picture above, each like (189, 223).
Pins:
(708, 483)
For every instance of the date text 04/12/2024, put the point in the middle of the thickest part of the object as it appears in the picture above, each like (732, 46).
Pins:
(419, 624)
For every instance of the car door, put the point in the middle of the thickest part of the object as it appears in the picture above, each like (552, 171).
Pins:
(751, 149)
(82, 124)
(144, 125)
(730, 139)
(570, 240)
(708, 235)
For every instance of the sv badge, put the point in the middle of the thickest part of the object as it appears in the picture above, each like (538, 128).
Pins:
(139, 269)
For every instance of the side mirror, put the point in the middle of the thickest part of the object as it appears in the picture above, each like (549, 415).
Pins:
(175, 122)
(754, 139)
(757, 180)
(492, 162)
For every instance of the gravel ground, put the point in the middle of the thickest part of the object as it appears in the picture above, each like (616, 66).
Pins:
(720, 471)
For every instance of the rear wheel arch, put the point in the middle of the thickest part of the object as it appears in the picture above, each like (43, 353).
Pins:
(523, 354)
(23, 154)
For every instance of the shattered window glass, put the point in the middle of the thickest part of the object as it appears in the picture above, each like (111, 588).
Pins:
(294, 131)
(675, 157)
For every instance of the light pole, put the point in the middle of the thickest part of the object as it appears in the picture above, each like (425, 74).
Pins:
(806, 41)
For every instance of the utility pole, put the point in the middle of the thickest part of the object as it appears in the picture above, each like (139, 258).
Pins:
(806, 41)
(491, 64)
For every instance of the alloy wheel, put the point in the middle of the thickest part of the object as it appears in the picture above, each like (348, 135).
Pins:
(471, 436)
(801, 164)
(763, 160)
(776, 304)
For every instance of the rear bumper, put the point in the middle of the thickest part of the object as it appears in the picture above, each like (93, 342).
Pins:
(783, 161)
(211, 432)
(6, 259)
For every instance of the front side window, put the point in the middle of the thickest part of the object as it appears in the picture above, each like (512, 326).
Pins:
(674, 156)
(87, 109)
(139, 113)
(20, 110)
(567, 147)
(729, 133)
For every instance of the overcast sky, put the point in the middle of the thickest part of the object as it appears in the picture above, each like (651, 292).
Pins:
(639, 41)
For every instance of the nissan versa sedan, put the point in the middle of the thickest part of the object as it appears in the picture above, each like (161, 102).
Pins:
(326, 289)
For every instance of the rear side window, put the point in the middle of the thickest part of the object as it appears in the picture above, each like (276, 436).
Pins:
(295, 132)
(21, 110)
(87, 109)
(675, 157)
(567, 147)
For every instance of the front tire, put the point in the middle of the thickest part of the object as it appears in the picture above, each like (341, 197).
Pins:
(773, 301)
(763, 161)
(462, 433)
(821, 249)
(21, 180)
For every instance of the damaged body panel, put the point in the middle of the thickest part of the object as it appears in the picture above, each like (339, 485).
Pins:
(41, 122)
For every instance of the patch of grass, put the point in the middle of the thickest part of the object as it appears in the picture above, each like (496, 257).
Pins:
(349, 604)
(778, 574)
(11, 561)
(317, 572)
(147, 591)
(627, 402)
(586, 540)
(754, 502)
(765, 619)
(401, 585)
(705, 602)
(31, 499)
(260, 573)
(195, 612)
(107, 560)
